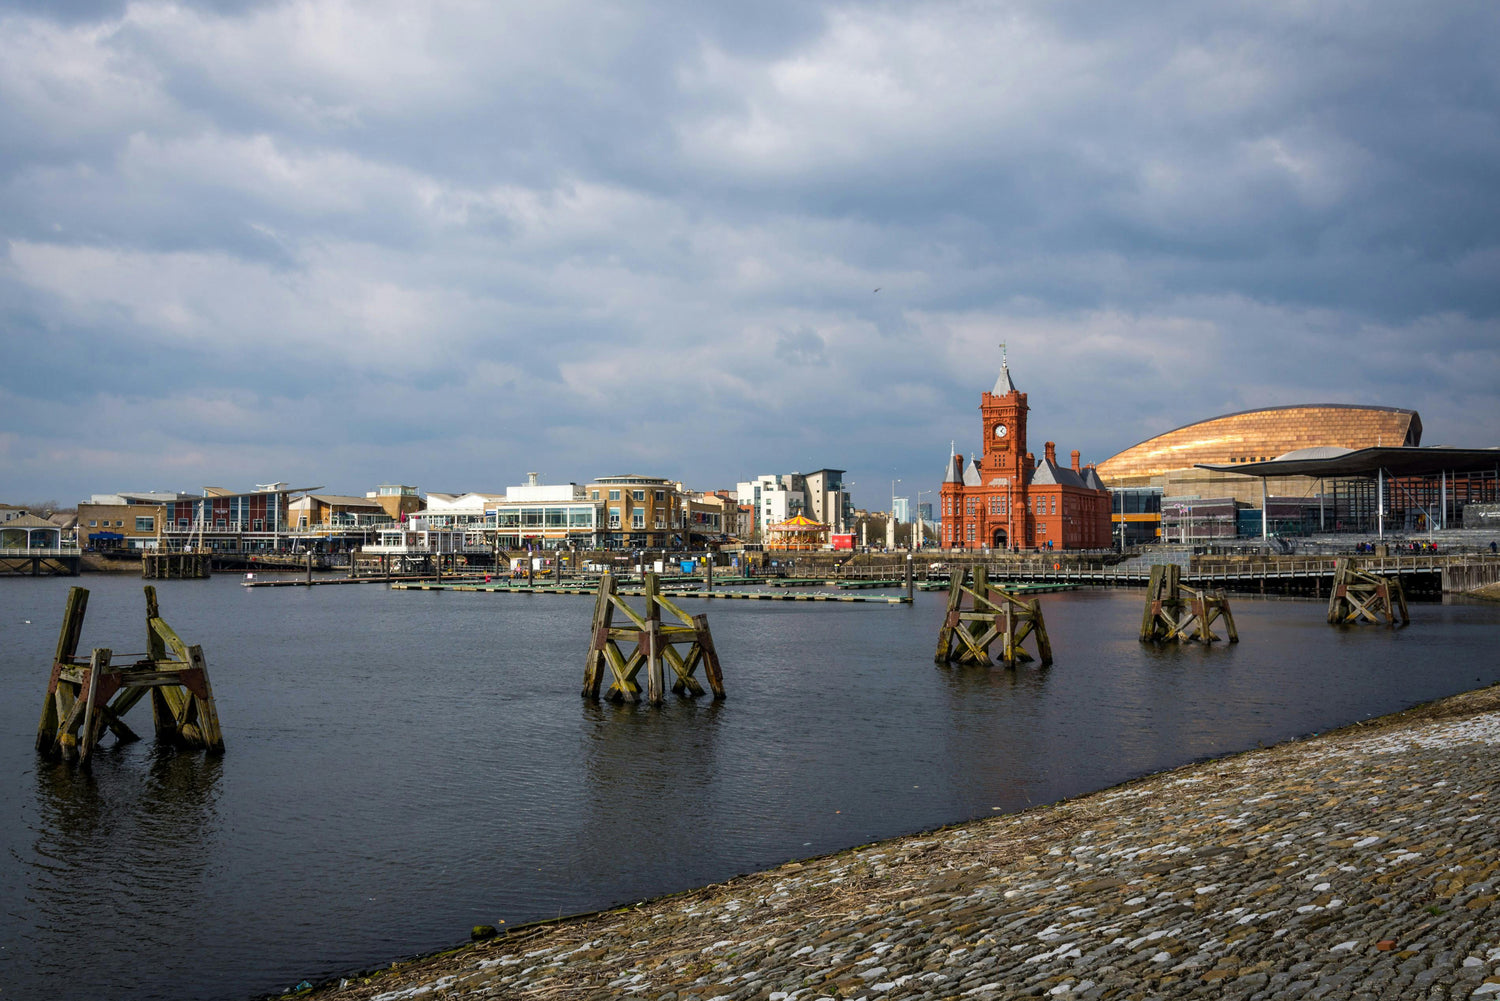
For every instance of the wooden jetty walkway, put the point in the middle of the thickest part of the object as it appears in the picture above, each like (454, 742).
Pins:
(300, 582)
(53, 561)
(502, 587)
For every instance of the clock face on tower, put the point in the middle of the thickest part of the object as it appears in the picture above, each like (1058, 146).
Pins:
(1001, 431)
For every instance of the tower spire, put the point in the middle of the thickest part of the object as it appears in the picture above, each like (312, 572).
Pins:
(1003, 384)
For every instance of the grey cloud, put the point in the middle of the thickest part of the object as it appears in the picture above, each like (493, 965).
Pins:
(1206, 209)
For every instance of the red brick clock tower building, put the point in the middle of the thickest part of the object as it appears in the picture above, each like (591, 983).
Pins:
(1006, 499)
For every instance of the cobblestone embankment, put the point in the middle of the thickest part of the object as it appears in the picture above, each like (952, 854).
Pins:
(1358, 864)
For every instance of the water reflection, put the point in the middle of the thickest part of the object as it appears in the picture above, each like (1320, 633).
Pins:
(137, 841)
(650, 775)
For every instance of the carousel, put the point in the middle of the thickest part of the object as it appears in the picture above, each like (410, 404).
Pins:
(799, 533)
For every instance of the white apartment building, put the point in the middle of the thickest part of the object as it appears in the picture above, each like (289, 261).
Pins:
(772, 498)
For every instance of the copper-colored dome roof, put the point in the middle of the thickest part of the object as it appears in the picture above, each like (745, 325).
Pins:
(1255, 435)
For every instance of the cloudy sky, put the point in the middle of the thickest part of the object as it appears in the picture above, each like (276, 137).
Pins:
(446, 243)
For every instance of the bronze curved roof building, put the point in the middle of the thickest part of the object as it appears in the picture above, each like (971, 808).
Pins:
(1257, 435)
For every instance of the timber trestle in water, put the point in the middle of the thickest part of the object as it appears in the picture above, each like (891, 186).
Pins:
(655, 648)
(1175, 612)
(176, 566)
(991, 614)
(1358, 596)
(86, 696)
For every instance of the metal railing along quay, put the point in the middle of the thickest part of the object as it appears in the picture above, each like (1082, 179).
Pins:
(1199, 571)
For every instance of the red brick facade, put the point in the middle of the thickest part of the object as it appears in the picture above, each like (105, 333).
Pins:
(1006, 499)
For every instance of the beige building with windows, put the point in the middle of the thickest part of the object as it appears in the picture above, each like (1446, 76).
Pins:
(124, 521)
(640, 512)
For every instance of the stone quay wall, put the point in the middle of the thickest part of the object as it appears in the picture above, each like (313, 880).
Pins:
(1363, 863)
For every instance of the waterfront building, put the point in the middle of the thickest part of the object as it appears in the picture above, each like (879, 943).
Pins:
(125, 520)
(546, 516)
(217, 520)
(26, 533)
(708, 515)
(641, 512)
(457, 510)
(777, 497)
(1006, 499)
(826, 499)
(313, 512)
(224, 520)
(771, 499)
(9, 511)
(1168, 464)
(416, 539)
(397, 499)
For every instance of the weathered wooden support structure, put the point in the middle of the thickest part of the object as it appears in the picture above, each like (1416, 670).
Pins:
(991, 614)
(655, 646)
(1178, 613)
(175, 566)
(86, 696)
(1358, 596)
(51, 563)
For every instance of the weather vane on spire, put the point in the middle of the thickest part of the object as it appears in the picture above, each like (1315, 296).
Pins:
(1003, 362)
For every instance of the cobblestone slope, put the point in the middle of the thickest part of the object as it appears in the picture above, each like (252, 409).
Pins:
(1358, 864)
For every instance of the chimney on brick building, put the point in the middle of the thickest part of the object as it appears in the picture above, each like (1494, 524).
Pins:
(1052, 452)
(1076, 455)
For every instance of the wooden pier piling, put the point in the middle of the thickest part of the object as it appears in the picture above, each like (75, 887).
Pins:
(1357, 596)
(655, 647)
(85, 698)
(1178, 613)
(175, 566)
(993, 614)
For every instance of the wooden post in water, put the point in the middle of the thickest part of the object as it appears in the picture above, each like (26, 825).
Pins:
(993, 613)
(910, 585)
(1358, 596)
(309, 567)
(655, 686)
(655, 646)
(1176, 612)
(708, 571)
(84, 699)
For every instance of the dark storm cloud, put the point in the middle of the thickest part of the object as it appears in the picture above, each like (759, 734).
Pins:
(358, 243)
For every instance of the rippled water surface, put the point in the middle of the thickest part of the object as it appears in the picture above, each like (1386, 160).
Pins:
(403, 765)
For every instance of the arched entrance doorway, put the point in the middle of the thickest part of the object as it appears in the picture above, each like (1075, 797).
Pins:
(999, 541)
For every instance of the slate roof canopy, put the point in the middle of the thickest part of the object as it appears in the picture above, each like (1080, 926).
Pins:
(1050, 472)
